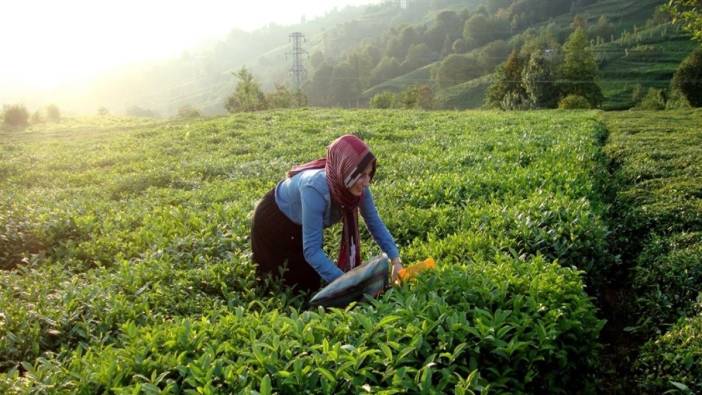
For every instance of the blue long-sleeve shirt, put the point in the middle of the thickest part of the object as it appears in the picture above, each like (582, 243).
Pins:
(306, 200)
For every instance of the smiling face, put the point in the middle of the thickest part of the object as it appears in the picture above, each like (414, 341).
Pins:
(363, 181)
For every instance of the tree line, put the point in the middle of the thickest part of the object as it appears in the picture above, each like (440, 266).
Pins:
(17, 115)
(542, 75)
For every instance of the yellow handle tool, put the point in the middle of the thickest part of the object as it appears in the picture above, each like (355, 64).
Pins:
(413, 270)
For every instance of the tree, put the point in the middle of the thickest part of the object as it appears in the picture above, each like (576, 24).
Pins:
(579, 69)
(247, 95)
(15, 115)
(425, 97)
(372, 52)
(574, 102)
(543, 41)
(677, 100)
(493, 54)
(603, 28)
(689, 14)
(316, 59)
(188, 111)
(654, 100)
(103, 111)
(416, 96)
(637, 94)
(688, 78)
(450, 23)
(659, 17)
(478, 31)
(386, 69)
(578, 22)
(408, 37)
(282, 97)
(446, 46)
(383, 100)
(407, 98)
(52, 113)
(318, 89)
(344, 86)
(362, 65)
(518, 22)
(458, 46)
(417, 56)
(393, 48)
(538, 78)
(434, 38)
(456, 68)
(507, 90)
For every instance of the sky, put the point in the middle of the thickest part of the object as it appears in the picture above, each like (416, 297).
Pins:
(47, 43)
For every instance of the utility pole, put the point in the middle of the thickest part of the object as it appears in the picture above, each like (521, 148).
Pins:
(297, 70)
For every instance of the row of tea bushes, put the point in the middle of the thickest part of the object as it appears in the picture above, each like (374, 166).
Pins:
(90, 307)
(671, 362)
(503, 324)
(485, 192)
(94, 261)
(656, 161)
(667, 280)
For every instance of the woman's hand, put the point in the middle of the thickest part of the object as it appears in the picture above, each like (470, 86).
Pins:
(396, 267)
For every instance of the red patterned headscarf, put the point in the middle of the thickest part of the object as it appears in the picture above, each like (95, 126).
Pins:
(347, 158)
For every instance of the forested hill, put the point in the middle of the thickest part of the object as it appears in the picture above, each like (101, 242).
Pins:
(454, 50)
(452, 47)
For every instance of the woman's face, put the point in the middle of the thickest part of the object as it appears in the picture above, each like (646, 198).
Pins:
(362, 182)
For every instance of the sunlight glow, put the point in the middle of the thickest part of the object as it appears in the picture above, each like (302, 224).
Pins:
(46, 43)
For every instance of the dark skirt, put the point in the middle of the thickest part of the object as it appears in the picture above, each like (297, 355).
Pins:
(276, 243)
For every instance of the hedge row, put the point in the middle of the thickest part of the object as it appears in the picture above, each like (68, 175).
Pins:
(658, 206)
(504, 324)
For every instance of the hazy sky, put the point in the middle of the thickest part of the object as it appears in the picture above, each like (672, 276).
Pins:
(47, 42)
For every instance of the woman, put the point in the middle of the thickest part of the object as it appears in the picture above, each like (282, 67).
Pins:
(288, 223)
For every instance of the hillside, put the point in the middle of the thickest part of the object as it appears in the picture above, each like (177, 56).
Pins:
(647, 59)
(644, 53)
(357, 52)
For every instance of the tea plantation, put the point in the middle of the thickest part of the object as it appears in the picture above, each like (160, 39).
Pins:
(125, 261)
(656, 158)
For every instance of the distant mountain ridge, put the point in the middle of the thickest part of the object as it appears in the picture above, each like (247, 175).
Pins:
(357, 52)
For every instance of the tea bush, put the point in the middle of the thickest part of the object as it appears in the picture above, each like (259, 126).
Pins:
(657, 175)
(572, 102)
(672, 361)
(383, 100)
(667, 279)
(17, 237)
(653, 100)
(15, 115)
(142, 226)
(658, 207)
(511, 325)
